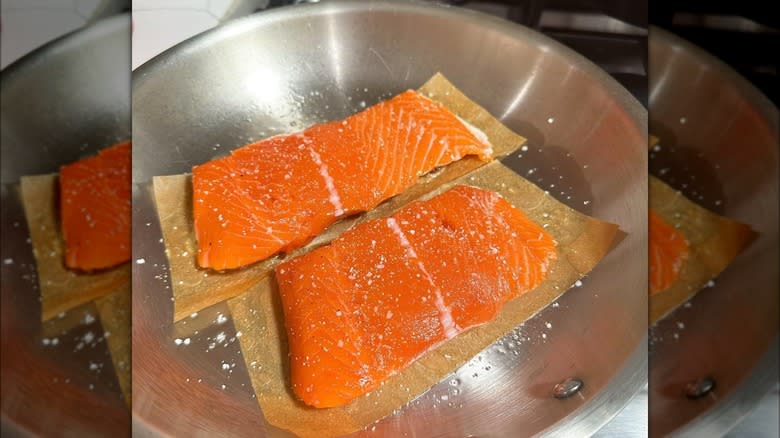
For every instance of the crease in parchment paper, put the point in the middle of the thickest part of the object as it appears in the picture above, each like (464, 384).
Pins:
(195, 289)
(61, 289)
(581, 242)
(713, 241)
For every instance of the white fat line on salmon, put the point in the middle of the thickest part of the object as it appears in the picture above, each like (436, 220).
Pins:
(333, 195)
(269, 231)
(445, 314)
(476, 132)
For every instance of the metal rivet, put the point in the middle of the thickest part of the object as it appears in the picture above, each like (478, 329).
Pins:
(567, 388)
(700, 388)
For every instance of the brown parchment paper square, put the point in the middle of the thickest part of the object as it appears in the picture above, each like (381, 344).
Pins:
(581, 242)
(61, 288)
(195, 289)
(67, 321)
(114, 312)
(713, 243)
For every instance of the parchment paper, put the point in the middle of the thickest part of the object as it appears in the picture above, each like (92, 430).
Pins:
(582, 242)
(114, 311)
(713, 243)
(61, 288)
(195, 289)
(64, 322)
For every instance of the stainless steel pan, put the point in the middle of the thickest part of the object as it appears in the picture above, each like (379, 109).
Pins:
(719, 139)
(281, 70)
(64, 101)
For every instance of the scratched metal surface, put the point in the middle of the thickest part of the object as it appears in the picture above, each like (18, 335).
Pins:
(282, 70)
(62, 102)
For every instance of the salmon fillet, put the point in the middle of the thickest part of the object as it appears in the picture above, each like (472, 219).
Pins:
(276, 194)
(95, 209)
(668, 252)
(389, 290)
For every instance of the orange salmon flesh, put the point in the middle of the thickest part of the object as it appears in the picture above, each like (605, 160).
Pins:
(389, 290)
(276, 194)
(95, 209)
(667, 253)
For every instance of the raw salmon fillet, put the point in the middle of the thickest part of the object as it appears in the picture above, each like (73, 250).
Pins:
(276, 194)
(389, 290)
(668, 252)
(95, 209)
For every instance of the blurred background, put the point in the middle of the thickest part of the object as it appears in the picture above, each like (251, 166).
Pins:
(742, 34)
(28, 24)
(713, 104)
(65, 85)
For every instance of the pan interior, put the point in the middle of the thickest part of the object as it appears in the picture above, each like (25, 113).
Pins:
(283, 70)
